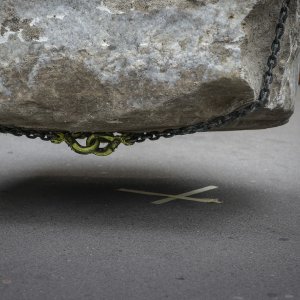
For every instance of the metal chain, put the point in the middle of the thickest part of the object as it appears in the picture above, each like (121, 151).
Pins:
(29, 133)
(113, 140)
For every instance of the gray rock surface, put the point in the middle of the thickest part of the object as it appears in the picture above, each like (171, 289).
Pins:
(138, 65)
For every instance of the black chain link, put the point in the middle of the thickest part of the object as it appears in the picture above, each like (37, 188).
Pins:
(200, 127)
(29, 133)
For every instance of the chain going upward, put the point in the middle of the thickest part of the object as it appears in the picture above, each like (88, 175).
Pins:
(243, 111)
(111, 140)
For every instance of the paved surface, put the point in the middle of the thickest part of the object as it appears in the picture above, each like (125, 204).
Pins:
(66, 231)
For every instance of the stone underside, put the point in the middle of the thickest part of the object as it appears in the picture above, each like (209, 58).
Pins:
(141, 65)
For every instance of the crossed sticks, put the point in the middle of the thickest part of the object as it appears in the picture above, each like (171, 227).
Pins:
(184, 196)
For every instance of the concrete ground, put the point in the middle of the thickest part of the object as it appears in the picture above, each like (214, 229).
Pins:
(66, 231)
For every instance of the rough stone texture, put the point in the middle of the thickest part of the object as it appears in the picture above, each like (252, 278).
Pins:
(138, 65)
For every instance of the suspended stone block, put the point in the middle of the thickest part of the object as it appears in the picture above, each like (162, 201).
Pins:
(123, 66)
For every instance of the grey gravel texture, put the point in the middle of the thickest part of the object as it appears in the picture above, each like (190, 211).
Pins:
(117, 65)
(67, 233)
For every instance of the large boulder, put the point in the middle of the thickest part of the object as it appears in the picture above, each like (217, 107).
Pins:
(139, 65)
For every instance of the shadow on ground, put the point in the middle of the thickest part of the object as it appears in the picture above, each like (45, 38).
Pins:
(96, 201)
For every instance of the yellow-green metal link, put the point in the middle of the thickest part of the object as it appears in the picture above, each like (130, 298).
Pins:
(93, 142)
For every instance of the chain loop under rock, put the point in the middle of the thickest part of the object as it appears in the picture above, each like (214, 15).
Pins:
(93, 143)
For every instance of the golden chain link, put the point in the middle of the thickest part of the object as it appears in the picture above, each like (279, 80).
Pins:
(93, 142)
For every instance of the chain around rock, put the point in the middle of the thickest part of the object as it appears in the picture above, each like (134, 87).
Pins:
(103, 144)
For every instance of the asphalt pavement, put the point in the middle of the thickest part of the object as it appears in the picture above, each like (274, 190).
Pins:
(68, 232)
